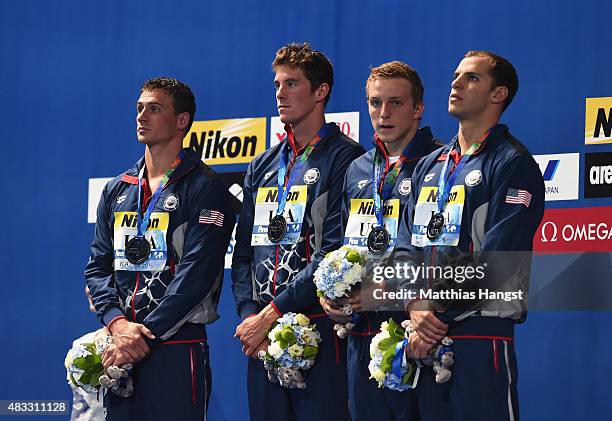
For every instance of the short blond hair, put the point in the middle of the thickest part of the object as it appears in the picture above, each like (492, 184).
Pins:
(398, 70)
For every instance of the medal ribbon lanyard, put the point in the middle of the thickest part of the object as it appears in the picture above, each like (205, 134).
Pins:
(283, 190)
(444, 184)
(388, 180)
(143, 220)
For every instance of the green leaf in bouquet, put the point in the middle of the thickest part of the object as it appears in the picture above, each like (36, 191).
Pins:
(73, 380)
(310, 351)
(85, 378)
(320, 293)
(278, 335)
(387, 359)
(387, 343)
(408, 375)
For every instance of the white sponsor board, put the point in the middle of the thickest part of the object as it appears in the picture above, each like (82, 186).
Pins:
(96, 185)
(348, 123)
(561, 175)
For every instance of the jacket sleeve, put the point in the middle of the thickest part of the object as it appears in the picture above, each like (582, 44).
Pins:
(205, 246)
(515, 209)
(301, 293)
(99, 272)
(242, 261)
(511, 226)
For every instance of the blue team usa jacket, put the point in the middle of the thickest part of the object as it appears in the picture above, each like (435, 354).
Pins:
(358, 185)
(281, 274)
(189, 231)
(502, 206)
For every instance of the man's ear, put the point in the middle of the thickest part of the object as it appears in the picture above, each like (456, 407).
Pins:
(418, 110)
(500, 93)
(183, 121)
(321, 92)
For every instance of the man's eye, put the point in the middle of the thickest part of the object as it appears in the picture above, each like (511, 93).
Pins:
(374, 103)
(396, 103)
(291, 84)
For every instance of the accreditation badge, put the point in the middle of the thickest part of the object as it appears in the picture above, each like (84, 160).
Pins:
(266, 204)
(125, 233)
(362, 221)
(428, 228)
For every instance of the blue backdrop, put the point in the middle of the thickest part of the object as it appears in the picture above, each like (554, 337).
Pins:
(70, 76)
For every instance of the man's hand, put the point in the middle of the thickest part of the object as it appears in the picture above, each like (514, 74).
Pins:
(333, 311)
(428, 326)
(417, 348)
(114, 356)
(262, 347)
(253, 330)
(128, 337)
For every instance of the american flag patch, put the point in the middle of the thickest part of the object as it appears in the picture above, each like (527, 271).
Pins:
(208, 216)
(518, 197)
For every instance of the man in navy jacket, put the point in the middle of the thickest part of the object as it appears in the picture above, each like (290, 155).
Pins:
(156, 263)
(475, 207)
(287, 225)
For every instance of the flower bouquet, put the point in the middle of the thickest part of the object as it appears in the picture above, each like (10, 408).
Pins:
(440, 356)
(335, 277)
(294, 344)
(388, 364)
(84, 367)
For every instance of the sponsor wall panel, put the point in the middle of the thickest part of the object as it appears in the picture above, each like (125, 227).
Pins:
(575, 230)
(598, 175)
(561, 175)
(94, 193)
(598, 121)
(230, 141)
(348, 123)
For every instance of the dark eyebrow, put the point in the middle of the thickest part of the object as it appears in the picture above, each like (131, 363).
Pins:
(149, 103)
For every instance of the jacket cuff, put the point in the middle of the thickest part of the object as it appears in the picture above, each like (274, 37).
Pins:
(247, 309)
(111, 314)
(283, 303)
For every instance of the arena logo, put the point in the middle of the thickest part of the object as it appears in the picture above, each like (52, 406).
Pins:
(598, 175)
(598, 121)
(233, 141)
(561, 175)
(575, 230)
(348, 123)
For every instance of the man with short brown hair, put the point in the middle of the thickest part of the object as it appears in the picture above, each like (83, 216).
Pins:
(156, 263)
(278, 249)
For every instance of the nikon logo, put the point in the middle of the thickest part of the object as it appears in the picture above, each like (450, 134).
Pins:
(598, 121)
(273, 195)
(227, 141)
(367, 208)
(131, 220)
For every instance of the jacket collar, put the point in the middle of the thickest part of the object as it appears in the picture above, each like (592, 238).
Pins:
(495, 134)
(189, 162)
(332, 130)
(419, 142)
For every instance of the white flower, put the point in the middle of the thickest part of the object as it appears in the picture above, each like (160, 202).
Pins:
(295, 350)
(311, 337)
(275, 350)
(378, 375)
(384, 326)
(69, 359)
(302, 320)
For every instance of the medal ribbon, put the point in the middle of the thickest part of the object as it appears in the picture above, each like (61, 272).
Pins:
(283, 190)
(143, 220)
(388, 180)
(444, 184)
